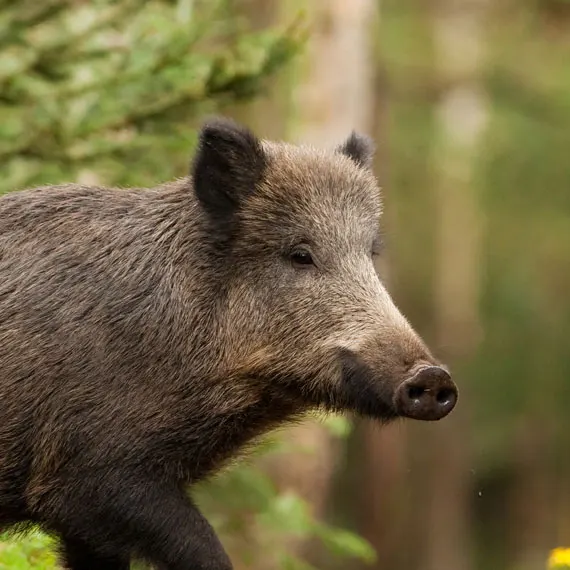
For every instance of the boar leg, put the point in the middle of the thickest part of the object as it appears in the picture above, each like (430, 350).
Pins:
(150, 519)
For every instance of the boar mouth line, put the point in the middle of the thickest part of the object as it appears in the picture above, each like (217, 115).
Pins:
(359, 390)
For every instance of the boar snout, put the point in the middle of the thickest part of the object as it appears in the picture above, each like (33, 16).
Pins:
(429, 395)
(425, 393)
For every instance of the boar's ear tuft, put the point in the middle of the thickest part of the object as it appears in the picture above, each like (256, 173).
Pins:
(359, 148)
(228, 164)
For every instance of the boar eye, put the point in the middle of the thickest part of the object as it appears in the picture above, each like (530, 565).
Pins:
(301, 257)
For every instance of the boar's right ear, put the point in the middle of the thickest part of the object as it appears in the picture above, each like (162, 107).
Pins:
(360, 148)
(228, 164)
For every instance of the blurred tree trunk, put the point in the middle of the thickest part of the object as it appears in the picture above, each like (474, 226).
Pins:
(335, 92)
(462, 117)
(533, 496)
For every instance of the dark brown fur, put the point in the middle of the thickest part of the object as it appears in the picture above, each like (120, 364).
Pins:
(146, 335)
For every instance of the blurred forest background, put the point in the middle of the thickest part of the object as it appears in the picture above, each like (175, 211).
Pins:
(469, 101)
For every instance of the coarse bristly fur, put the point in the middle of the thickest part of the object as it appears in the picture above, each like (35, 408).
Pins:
(147, 335)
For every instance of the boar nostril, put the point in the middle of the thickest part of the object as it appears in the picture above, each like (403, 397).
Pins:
(429, 395)
(444, 395)
(415, 392)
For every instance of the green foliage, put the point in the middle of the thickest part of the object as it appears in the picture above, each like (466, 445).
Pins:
(244, 506)
(33, 550)
(98, 85)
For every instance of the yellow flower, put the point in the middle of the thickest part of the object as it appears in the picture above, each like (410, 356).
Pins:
(559, 558)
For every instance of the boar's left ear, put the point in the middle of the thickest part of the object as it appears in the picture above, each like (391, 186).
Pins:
(359, 148)
(228, 164)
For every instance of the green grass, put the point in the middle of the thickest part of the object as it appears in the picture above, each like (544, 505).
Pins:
(31, 551)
